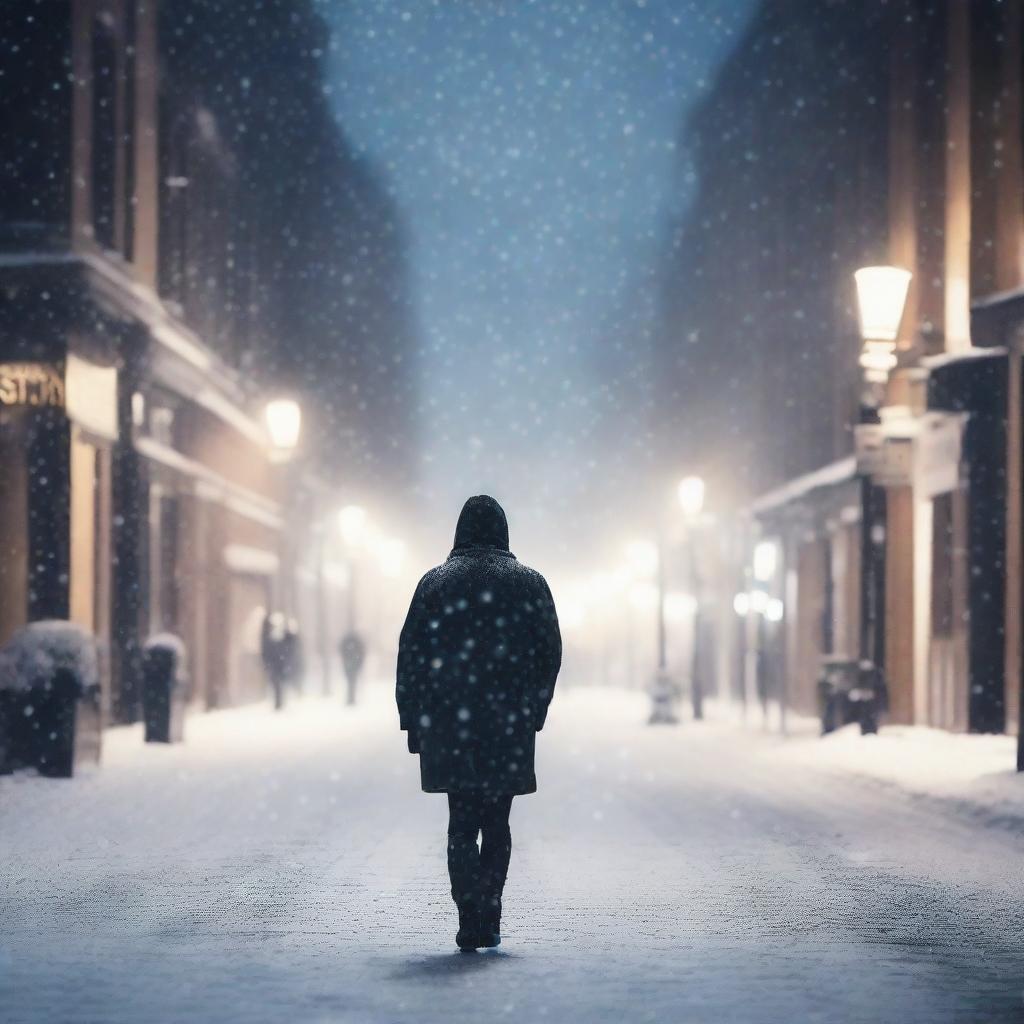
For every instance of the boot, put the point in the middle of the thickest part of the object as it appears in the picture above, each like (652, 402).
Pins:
(468, 936)
(490, 923)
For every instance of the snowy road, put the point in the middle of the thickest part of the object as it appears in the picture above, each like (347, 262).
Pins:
(289, 870)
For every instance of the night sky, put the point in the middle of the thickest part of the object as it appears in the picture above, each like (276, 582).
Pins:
(533, 149)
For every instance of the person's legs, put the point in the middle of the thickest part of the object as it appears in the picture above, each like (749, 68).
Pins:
(464, 820)
(495, 853)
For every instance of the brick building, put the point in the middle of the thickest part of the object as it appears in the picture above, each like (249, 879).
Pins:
(868, 134)
(156, 282)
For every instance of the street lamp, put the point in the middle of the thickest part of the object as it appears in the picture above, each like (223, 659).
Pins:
(761, 608)
(391, 553)
(352, 525)
(663, 694)
(354, 529)
(691, 501)
(766, 560)
(283, 420)
(691, 496)
(642, 559)
(881, 297)
(881, 301)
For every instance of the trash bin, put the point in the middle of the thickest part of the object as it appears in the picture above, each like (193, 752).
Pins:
(49, 677)
(839, 676)
(50, 716)
(850, 691)
(867, 698)
(163, 689)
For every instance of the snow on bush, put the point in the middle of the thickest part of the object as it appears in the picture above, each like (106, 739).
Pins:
(35, 653)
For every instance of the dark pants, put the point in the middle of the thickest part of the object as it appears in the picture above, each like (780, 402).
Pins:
(478, 875)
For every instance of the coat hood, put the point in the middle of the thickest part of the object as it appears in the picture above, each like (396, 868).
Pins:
(482, 524)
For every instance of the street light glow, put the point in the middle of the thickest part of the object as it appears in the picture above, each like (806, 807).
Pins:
(572, 615)
(391, 553)
(679, 606)
(352, 524)
(691, 496)
(766, 559)
(642, 558)
(604, 586)
(643, 597)
(881, 297)
(741, 604)
(283, 419)
(878, 360)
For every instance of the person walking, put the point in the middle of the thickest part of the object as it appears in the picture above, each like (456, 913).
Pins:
(353, 654)
(477, 662)
(274, 654)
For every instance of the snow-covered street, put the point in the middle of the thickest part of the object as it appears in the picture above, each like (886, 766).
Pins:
(288, 868)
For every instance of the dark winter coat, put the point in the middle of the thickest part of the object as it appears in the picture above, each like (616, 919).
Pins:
(477, 662)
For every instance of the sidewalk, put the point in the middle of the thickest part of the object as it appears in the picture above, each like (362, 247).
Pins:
(970, 774)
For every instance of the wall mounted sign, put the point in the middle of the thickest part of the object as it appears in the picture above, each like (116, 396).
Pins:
(31, 384)
(92, 396)
(887, 459)
(940, 447)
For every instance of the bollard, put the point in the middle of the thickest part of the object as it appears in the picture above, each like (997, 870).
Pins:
(163, 689)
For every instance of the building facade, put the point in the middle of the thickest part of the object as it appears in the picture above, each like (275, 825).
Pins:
(905, 151)
(143, 322)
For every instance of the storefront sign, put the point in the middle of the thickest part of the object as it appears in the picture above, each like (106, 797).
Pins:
(869, 445)
(887, 459)
(92, 396)
(939, 455)
(31, 384)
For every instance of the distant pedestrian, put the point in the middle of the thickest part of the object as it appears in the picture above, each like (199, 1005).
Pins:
(274, 654)
(294, 658)
(353, 655)
(477, 663)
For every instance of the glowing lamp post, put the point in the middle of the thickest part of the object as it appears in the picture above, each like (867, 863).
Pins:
(353, 526)
(691, 497)
(283, 420)
(766, 560)
(761, 608)
(881, 299)
(691, 500)
(391, 553)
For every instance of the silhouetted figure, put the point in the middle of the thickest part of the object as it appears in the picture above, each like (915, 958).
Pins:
(477, 663)
(293, 656)
(353, 654)
(274, 654)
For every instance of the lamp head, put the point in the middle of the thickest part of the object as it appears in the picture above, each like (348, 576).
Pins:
(283, 420)
(691, 496)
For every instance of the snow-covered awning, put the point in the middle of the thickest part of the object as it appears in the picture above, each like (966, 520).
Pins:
(832, 475)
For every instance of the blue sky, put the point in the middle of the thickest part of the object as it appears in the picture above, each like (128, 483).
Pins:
(532, 148)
